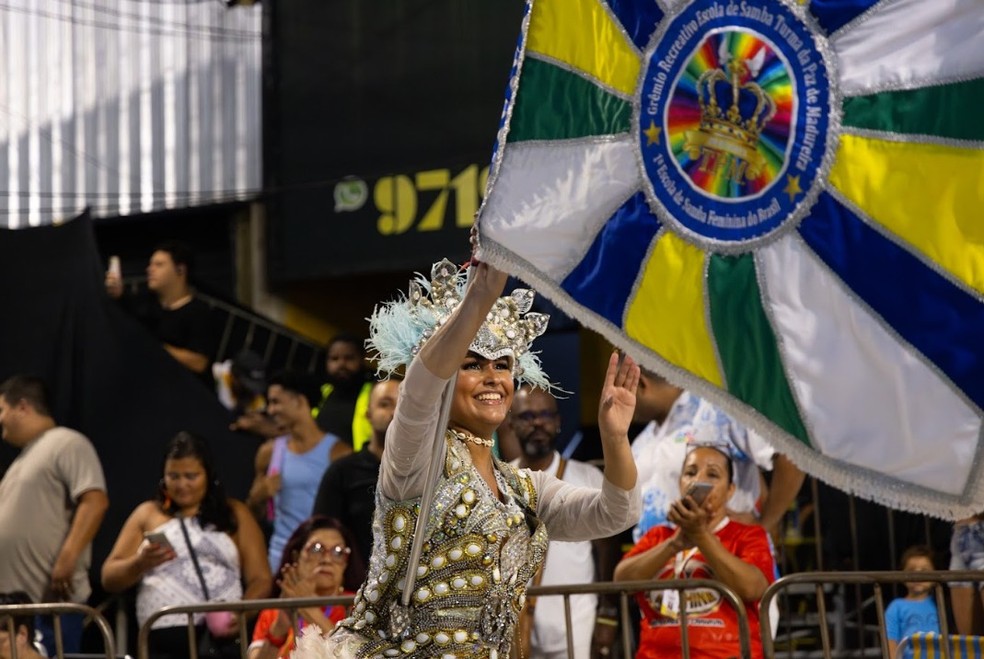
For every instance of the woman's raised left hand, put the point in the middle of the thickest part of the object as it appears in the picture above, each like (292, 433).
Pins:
(618, 397)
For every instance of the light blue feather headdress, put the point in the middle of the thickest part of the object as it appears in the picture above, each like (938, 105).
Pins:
(399, 328)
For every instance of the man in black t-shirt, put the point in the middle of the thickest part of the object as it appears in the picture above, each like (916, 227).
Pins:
(348, 488)
(182, 322)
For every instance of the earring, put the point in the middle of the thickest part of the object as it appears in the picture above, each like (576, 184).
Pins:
(166, 504)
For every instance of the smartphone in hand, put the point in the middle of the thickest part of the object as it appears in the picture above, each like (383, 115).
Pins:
(699, 491)
(115, 268)
(158, 539)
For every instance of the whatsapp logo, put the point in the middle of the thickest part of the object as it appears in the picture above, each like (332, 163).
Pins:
(350, 194)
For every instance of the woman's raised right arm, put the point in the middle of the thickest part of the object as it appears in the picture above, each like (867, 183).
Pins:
(414, 425)
(128, 560)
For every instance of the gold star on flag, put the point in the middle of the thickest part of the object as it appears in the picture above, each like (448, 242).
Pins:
(652, 133)
(792, 187)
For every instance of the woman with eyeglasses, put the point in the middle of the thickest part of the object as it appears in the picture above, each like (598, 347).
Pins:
(703, 544)
(319, 560)
(188, 545)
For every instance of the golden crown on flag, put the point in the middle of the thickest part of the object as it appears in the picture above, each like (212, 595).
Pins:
(731, 129)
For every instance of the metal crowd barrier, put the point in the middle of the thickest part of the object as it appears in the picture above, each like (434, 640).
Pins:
(819, 581)
(873, 579)
(241, 608)
(243, 328)
(57, 610)
(623, 589)
(869, 528)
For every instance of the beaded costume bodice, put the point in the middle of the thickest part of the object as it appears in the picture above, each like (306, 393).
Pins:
(478, 558)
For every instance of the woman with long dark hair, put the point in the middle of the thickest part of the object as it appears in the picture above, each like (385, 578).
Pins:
(190, 544)
(321, 559)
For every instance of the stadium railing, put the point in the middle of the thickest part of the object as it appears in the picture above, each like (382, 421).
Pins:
(820, 583)
(57, 610)
(624, 589)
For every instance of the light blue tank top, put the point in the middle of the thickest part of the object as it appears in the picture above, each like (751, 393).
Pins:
(300, 475)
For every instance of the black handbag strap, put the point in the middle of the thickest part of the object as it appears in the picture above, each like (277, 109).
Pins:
(194, 559)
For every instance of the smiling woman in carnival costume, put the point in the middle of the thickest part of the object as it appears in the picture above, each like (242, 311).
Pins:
(486, 523)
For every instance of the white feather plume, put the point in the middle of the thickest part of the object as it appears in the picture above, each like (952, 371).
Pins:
(311, 645)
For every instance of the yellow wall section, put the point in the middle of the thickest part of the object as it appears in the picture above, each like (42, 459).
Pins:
(309, 324)
(583, 34)
(928, 195)
(667, 313)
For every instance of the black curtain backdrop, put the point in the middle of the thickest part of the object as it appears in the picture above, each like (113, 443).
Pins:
(363, 89)
(110, 379)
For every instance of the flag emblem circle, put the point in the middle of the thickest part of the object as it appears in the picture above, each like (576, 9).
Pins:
(733, 118)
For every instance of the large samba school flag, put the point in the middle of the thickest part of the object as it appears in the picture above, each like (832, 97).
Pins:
(779, 205)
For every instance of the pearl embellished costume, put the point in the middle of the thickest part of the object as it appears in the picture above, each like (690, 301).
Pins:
(480, 552)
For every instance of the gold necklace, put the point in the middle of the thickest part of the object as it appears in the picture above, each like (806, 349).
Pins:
(468, 437)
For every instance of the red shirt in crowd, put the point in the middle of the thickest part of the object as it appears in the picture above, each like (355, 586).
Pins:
(268, 616)
(712, 624)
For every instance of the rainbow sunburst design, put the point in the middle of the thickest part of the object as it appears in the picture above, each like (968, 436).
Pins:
(684, 111)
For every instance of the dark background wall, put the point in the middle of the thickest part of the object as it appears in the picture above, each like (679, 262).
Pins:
(110, 378)
(209, 230)
(401, 96)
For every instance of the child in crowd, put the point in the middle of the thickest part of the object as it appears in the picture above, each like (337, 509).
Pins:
(916, 612)
(24, 634)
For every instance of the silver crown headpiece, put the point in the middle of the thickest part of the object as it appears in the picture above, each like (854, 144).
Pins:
(398, 329)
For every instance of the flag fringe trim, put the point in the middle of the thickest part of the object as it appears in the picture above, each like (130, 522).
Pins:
(852, 479)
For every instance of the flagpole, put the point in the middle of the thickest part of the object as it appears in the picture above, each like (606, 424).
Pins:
(430, 484)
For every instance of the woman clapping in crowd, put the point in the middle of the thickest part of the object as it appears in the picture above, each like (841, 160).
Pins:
(320, 560)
